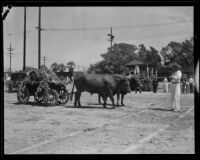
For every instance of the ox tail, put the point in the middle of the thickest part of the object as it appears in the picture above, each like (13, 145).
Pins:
(72, 93)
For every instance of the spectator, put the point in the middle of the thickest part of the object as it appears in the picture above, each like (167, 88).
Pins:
(165, 85)
(187, 86)
(191, 83)
(184, 89)
(155, 85)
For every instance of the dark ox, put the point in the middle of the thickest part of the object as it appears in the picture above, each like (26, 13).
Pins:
(135, 83)
(103, 84)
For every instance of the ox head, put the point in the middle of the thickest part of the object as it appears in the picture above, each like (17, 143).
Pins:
(125, 87)
(136, 80)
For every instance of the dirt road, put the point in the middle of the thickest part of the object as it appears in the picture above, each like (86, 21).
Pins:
(145, 125)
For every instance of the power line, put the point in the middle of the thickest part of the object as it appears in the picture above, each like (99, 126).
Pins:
(118, 27)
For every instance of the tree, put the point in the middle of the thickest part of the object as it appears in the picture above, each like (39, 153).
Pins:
(43, 67)
(62, 67)
(29, 68)
(182, 53)
(55, 67)
(187, 53)
(71, 64)
(114, 60)
(155, 59)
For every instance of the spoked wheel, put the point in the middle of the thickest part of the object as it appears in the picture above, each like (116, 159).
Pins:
(52, 97)
(23, 95)
(63, 97)
(39, 95)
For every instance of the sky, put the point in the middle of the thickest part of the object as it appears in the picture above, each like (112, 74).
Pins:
(79, 34)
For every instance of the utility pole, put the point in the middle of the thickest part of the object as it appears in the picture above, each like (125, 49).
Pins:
(111, 38)
(24, 58)
(44, 59)
(10, 53)
(39, 39)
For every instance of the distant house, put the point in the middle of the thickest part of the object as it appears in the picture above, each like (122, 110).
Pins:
(136, 66)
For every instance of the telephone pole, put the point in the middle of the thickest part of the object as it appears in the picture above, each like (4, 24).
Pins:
(44, 59)
(39, 38)
(10, 53)
(111, 38)
(24, 58)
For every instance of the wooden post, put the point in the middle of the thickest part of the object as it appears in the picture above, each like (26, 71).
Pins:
(24, 58)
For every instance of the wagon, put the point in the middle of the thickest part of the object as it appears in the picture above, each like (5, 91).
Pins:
(46, 90)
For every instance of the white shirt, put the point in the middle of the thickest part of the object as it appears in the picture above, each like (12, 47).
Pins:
(8, 78)
(176, 76)
(165, 81)
(191, 80)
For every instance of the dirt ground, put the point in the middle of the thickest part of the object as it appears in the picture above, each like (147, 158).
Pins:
(144, 126)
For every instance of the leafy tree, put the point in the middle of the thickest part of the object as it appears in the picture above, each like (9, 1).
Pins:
(62, 67)
(71, 64)
(187, 53)
(182, 53)
(154, 58)
(55, 67)
(43, 67)
(29, 68)
(114, 60)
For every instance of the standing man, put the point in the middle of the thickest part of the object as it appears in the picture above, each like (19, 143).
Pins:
(191, 83)
(155, 85)
(165, 85)
(176, 89)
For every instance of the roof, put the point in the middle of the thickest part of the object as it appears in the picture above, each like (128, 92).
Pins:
(134, 62)
(174, 65)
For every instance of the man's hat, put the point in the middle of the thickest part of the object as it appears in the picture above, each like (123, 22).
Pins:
(174, 65)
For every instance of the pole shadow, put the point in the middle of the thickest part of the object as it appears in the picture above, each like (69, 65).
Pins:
(161, 109)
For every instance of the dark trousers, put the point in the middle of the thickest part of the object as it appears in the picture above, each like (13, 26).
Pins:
(191, 87)
(155, 88)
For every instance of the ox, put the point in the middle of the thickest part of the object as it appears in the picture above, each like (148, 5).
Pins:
(103, 84)
(135, 83)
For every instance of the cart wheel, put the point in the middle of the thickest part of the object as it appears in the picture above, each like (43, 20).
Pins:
(63, 96)
(52, 98)
(23, 95)
(39, 95)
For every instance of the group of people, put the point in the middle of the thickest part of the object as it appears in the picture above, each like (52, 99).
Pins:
(175, 79)
(187, 85)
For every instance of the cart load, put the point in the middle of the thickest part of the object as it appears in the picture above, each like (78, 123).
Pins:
(44, 86)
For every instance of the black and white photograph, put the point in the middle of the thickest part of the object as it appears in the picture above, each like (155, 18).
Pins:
(99, 80)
